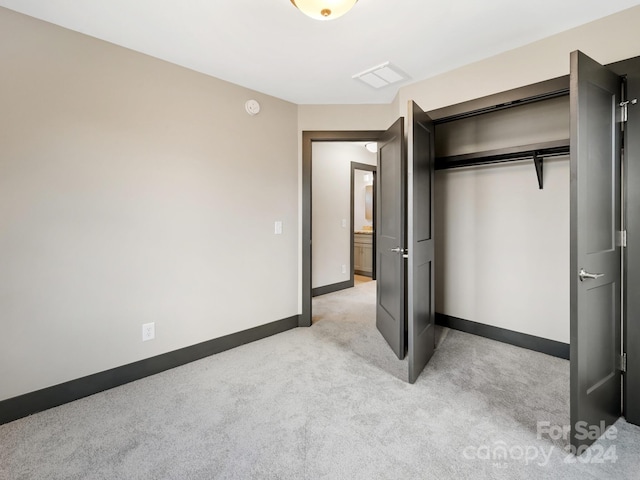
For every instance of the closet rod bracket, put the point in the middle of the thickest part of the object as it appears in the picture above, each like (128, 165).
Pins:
(538, 162)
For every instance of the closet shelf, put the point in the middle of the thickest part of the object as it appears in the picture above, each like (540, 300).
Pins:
(536, 151)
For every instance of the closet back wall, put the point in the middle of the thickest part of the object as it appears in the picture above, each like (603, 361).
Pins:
(503, 247)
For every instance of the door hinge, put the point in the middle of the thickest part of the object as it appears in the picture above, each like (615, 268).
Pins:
(625, 108)
(623, 363)
(622, 238)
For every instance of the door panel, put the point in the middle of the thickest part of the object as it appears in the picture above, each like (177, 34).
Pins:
(420, 289)
(390, 237)
(595, 220)
(600, 221)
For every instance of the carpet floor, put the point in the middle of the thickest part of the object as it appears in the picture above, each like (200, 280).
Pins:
(326, 402)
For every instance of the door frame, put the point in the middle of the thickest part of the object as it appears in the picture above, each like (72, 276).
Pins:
(308, 137)
(373, 169)
(630, 69)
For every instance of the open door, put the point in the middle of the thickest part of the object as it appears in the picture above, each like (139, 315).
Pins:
(420, 276)
(595, 251)
(405, 313)
(391, 214)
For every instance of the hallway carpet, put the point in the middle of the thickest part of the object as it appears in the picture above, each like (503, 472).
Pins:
(326, 402)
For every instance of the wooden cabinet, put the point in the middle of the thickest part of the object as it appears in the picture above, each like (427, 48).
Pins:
(363, 254)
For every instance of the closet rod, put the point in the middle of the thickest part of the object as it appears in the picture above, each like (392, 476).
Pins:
(536, 152)
(501, 155)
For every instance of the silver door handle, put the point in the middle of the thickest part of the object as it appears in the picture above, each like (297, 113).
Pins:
(397, 250)
(593, 276)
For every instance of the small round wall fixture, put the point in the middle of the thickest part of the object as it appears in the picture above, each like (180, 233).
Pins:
(252, 107)
(324, 9)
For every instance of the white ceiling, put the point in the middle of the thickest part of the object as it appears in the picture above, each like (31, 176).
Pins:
(269, 46)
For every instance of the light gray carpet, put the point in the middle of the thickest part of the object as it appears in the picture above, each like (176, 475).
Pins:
(322, 402)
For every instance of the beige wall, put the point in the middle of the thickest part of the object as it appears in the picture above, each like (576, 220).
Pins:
(132, 191)
(345, 117)
(607, 40)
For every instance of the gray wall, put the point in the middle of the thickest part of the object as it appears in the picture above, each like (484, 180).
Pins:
(131, 191)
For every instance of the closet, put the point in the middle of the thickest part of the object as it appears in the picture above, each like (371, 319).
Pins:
(592, 114)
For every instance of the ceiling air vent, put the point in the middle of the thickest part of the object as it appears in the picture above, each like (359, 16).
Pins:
(381, 76)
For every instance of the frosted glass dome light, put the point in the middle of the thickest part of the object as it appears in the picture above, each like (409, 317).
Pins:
(324, 9)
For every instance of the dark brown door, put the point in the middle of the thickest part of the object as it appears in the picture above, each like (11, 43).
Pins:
(391, 214)
(595, 252)
(420, 275)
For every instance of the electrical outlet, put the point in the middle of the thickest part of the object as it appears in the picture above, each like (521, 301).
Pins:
(344, 269)
(148, 331)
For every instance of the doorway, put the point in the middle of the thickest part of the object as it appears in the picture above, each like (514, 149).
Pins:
(363, 218)
(404, 240)
(341, 214)
(308, 138)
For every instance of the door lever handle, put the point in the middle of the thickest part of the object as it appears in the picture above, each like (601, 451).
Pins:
(593, 276)
(403, 251)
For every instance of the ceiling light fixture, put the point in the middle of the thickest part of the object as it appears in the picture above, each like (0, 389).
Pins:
(324, 9)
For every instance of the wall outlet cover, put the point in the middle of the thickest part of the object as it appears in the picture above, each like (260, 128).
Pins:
(148, 331)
